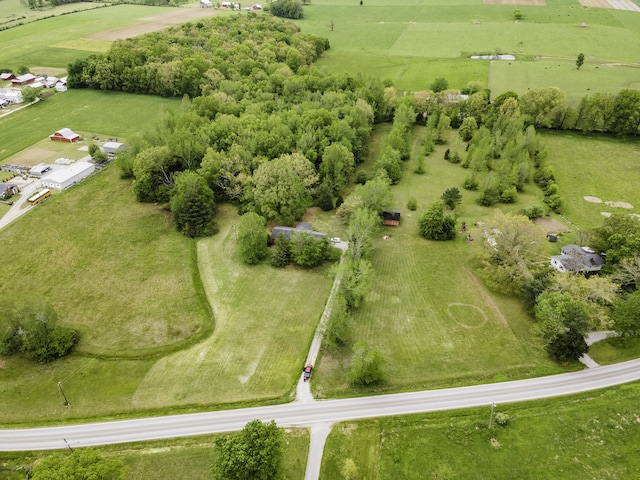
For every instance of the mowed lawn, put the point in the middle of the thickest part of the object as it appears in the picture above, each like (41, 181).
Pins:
(427, 312)
(413, 42)
(595, 435)
(265, 321)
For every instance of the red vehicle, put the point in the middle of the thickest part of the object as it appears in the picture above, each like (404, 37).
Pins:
(306, 372)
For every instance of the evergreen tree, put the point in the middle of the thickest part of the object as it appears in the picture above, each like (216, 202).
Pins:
(192, 205)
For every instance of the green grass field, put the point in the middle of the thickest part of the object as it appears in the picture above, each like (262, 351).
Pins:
(106, 113)
(415, 42)
(597, 166)
(594, 435)
(265, 321)
(189, 458)
(427, 312)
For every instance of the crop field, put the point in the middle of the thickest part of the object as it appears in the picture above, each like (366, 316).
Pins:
(415, 42)
(588, 436)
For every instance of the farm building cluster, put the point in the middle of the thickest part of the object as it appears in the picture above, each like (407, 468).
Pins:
(13, 94)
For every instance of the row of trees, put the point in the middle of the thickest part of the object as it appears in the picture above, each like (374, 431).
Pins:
(31, 328)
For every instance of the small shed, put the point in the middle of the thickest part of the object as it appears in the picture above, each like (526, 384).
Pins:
(60, 87)
(39, 170)
(64, 178)
(111, 148)
(23, 79)
(7, 76)
(391, 217)
(65, 135)
(205, 4)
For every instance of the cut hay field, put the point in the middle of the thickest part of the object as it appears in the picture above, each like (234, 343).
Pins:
(420, 41)
(58, 41)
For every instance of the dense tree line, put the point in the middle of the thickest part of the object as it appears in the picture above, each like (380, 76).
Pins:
(265, 130)
(287, 9)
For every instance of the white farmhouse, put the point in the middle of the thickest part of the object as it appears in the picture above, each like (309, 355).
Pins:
(64, 178)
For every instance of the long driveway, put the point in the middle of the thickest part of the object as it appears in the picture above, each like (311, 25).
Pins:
(319, 412)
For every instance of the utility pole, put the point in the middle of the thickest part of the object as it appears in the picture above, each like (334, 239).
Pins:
(493, 405)
(66, 402)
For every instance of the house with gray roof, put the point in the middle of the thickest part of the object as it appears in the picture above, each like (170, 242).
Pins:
(574, 258)
(302, 227)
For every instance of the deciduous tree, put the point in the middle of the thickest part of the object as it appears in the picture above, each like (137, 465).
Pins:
(366, 365)
(256, 452)
(253, 238)
(280, 193)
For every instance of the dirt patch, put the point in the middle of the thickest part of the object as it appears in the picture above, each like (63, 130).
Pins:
(614, 4)
(55, 72)
(515, 2)
(551, 225)
(156, 22)
(605, 214)
(618, 204)
(592, 199)
(596, 3)
(34, 156)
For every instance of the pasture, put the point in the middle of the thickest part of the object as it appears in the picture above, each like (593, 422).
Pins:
(594, 435)
(415, 42)
(594, 166)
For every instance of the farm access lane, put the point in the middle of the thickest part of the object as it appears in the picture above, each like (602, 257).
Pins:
(319, 412)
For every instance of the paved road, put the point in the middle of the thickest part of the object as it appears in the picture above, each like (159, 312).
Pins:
(318, 413)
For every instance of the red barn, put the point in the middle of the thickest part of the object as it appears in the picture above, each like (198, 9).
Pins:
(65, 135)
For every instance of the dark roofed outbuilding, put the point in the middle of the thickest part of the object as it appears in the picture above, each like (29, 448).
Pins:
(302, 227)
(391, 217)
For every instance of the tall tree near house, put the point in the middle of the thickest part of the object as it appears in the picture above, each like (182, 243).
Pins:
(336, 166)
(511, 252)
(435, 225)
(153, 169)
(192, 205)
(280, 192)
(253, 238)
(256, 453)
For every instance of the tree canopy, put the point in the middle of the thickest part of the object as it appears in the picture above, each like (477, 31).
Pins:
(256, 453)
(253, 238)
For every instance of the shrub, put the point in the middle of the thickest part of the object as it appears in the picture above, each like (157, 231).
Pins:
(535, 211)
(502, 419)
(510, 195)
(471, 184)
(362, 177)
(412, 204)
(490, 196)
